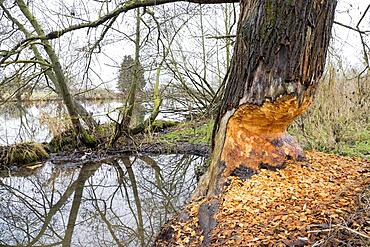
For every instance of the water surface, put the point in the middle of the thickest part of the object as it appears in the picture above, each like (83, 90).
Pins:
(119, 202)
(39, 121)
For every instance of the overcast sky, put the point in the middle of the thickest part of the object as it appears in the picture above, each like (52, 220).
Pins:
(346, 42)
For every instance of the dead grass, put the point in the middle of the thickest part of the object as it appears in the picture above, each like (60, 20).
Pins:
(338, 120)
(56, 124)
(23, 153)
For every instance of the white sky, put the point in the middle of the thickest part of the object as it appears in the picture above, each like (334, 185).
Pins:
(346, 42)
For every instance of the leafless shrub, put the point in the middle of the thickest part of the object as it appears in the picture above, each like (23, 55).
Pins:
(339, 115)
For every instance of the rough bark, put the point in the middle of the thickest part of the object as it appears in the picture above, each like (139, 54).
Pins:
(278, 60)
(123, 125)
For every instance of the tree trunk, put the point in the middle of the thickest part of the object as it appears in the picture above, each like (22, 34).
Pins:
(125, 115)
(60, 77)
(88, 119)
(279, 57)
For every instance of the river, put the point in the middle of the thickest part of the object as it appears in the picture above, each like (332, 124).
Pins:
(39, 121)
(114, 202)
(117, 202)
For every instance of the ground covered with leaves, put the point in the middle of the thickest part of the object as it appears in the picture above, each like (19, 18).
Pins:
(323, 202)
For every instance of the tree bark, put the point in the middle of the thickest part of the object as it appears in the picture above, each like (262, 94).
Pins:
(278, 60)
(123, 125)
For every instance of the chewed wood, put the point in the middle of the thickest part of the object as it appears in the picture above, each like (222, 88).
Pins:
(257, 135)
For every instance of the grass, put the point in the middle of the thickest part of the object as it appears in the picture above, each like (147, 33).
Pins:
(338, 120)
(192, 132)
(356, 146)
(359, 148)
(25, 153)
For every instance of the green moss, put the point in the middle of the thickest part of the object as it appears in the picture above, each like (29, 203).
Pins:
(63, 142)
(159, 125)
(194, 134)
(105, 130)
(68, 140)
(271, 16)
(24, 153)
(269, 8)
(291, 2)
(88, 140)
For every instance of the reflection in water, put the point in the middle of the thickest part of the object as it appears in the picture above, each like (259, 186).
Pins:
(17, 122)
(121, 202)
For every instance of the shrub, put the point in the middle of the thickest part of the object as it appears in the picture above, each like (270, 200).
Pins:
(338, 120)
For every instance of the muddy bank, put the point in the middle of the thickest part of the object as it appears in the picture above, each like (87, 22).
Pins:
(17, 155)
(80, 157)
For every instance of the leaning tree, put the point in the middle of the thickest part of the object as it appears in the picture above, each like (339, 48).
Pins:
(48, 60)
(279, 57)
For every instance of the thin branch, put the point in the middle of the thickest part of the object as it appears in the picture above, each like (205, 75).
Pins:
(366, 57)
(43, 63)
(353, 231)
(130, 5)
(221, 37)
(351, 28)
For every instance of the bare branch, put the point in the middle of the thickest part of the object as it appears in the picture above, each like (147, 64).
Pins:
(364, 45)
(43, 63)
(129, 5)
(221, 37)
(351, 28)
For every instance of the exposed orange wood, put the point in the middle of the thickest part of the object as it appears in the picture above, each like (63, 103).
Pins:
(257, 134)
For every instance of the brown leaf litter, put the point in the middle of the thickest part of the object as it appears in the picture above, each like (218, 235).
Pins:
(325, 202)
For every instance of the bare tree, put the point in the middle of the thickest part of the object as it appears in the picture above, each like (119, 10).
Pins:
(52, 69)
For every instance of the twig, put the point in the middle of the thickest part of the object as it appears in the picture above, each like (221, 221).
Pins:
(323, 230)
(353, 231)
(351, 28)
(342, 227)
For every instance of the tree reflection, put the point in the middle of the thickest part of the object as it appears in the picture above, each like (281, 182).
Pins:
(120, 202)
(36, 198)
(20, 122)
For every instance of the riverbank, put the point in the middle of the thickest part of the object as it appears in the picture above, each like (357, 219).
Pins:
(323, 201)
(164, 137)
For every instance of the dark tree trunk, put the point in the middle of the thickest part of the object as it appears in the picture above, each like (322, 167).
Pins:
(279, 57)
